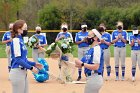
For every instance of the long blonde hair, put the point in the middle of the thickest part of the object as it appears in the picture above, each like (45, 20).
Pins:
(64, 24)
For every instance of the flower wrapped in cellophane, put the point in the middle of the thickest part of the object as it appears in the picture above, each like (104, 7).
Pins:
(65, 45)
(60, 47)
(62, 50)
(33, 42)
(51, 48)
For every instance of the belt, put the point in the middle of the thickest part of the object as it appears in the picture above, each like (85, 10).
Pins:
(84, 47)
(23, 68)
(89, 74)
(135, 49)
(120, 46)
(35, 48)
(20, 68)
(104, 48)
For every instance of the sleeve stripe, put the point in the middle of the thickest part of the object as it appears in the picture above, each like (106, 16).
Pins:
(71, 36)
(75, 36)
(16, 45)
(97, 54)
(3, 38)
(129, 40)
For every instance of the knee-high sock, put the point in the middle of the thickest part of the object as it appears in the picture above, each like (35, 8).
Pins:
(79, 71)
(103, 72)
(123, 71)
(133, 71)
(9, 68)
(108, 70)
(117, 71)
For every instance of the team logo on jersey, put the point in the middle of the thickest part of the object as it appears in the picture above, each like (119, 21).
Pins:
(105, 38)
(116, 36)
(87, 57)
(41, 40)
(24, 47)
(8, 36)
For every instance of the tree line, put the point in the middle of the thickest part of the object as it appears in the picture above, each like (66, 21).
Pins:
(49, 14)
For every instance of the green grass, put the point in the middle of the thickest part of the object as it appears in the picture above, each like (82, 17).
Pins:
(128, 50)
(3, 55)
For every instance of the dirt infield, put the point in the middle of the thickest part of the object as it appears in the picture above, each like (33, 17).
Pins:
(53, 86)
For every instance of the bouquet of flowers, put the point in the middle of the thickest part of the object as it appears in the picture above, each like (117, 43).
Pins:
(51, 48)
(33, 42)
(62, 49)
(65, 45)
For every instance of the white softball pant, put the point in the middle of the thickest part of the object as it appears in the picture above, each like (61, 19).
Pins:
(135, 57)
(36, 54)
(8, 53)
(94, 83)
(119, 53)
(19, 80)
(82, 52)
(107, 57)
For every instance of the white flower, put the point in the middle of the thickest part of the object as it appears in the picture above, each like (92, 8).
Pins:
(29, 44)
(52, 44)
(67, 43)
(33, 40)
(49, 48)
(64, 45)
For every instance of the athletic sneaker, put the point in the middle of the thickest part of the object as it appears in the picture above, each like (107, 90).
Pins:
(117, 78)
(123, 78)
(133, 79)
(108, 78)
(79, 78)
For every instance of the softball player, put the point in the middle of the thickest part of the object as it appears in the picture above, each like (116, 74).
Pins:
(105, 43)
(119, 38)
(134, 41)
(19, 63)
(7, 40)
(64, 33)
(83, 46)
(36, 52)
(93, 63)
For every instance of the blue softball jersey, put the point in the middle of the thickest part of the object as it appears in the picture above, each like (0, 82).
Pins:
(42, 39)
(19, 54)
(7, 36)
(136, 46)
(106, 36)
(94, 55)
(66, 35)
(119, 43)
(80, 36)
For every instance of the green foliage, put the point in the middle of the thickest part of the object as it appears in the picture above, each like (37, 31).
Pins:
(92, 12)
(49, 17)
(53, 14)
